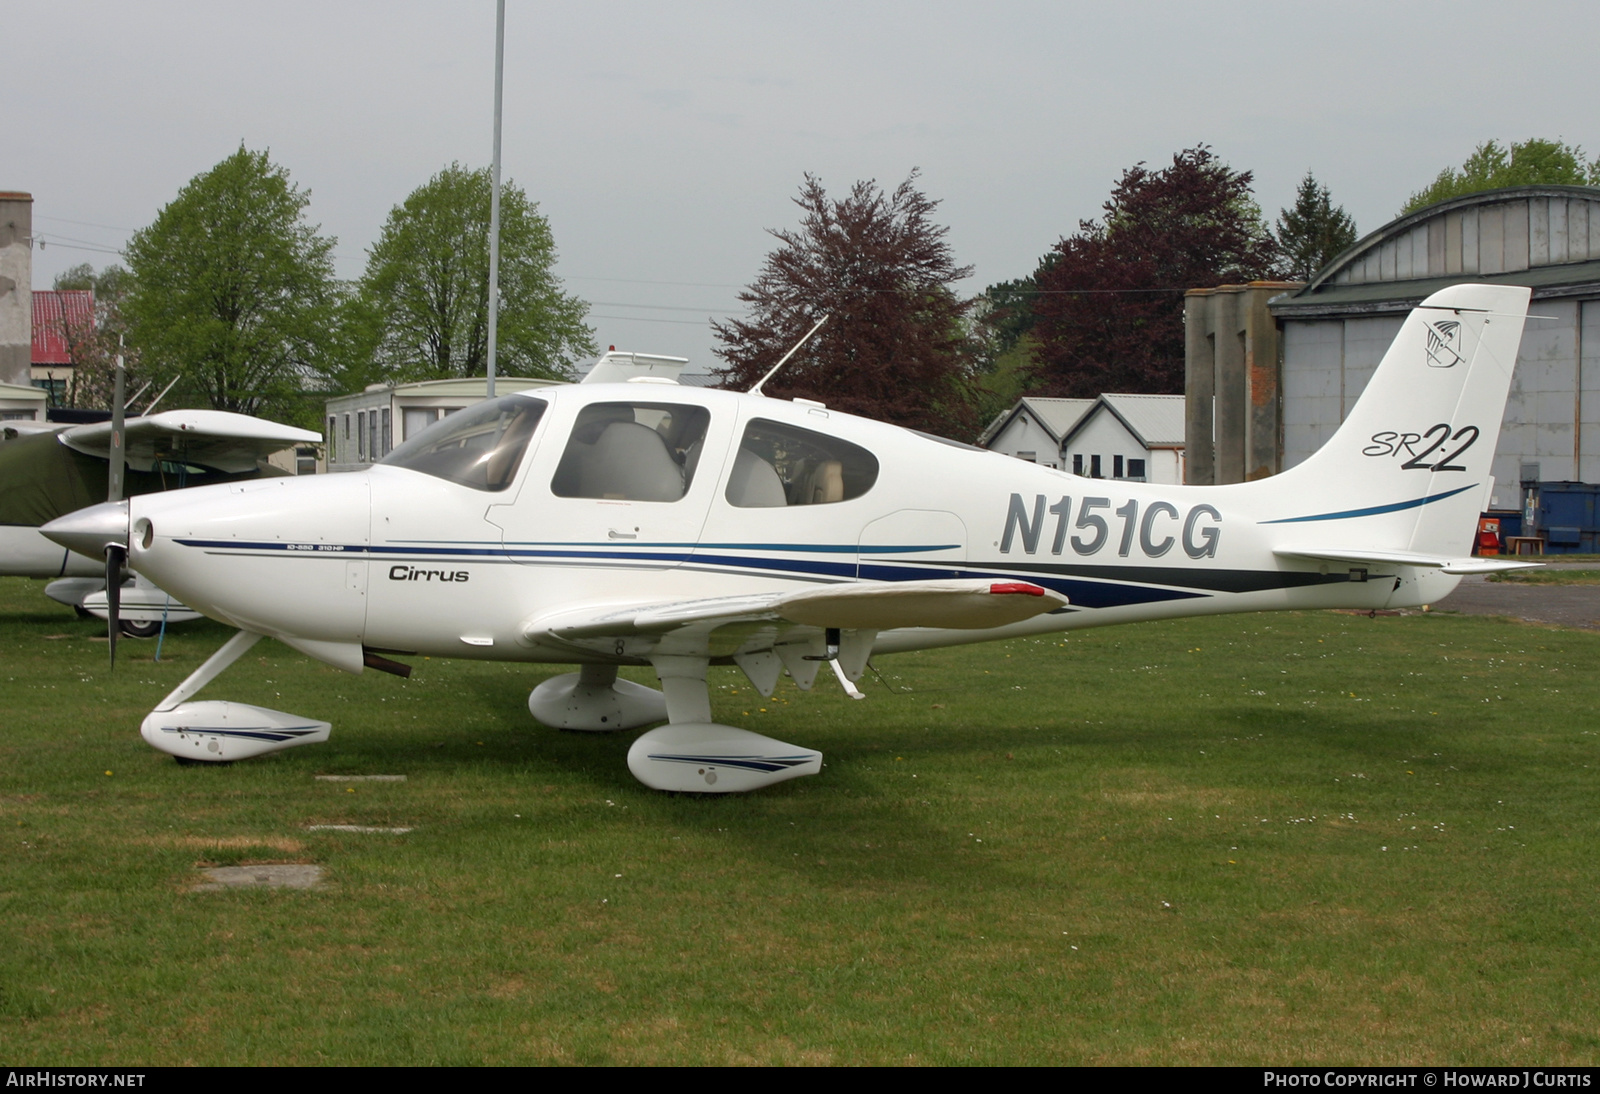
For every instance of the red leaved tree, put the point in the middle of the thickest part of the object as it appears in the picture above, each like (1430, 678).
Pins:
(897, 344)
(1109, 308)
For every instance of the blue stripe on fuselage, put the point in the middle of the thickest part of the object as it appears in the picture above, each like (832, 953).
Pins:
(1375, 510)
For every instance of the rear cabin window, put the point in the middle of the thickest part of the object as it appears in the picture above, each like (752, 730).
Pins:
(632, 452)
(479, 446)
(781, 465)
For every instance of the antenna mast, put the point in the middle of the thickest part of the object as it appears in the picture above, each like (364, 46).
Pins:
(785, 359)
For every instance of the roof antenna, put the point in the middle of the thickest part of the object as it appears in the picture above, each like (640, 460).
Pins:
(152, 407)
(134, 398)
(757, 389)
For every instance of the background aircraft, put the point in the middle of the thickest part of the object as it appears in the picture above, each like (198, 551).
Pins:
(48, 471)
(649, 524)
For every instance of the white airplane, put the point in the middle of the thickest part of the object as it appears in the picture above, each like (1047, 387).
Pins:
(47, 471)
(649, 524)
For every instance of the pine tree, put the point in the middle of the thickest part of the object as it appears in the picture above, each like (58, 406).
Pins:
(1314, 231)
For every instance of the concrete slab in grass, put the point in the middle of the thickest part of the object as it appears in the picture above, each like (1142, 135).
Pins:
(291, 876)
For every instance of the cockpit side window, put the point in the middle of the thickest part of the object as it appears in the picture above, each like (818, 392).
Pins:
(479, 446)
(781, 465)
(632, 452)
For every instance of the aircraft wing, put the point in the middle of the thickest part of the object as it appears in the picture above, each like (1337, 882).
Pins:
(212, 438)
(1469, 565)
(12, 430)
(873, 605)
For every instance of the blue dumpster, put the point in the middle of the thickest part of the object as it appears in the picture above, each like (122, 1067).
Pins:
(1569, 517)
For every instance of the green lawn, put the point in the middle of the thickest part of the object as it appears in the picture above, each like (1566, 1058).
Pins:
(1296, 838)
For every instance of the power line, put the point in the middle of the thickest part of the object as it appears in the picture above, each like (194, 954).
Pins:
(648, 319)
(85, 223)
(657, 307)
(635, 281)
(42, 240)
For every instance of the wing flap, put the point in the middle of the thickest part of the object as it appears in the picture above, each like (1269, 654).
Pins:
(1468, 565)
(875, 605)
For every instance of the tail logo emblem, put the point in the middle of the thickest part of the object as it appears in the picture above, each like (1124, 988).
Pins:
(1444, 344)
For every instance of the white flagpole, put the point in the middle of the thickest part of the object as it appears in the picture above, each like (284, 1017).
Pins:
(494, 196)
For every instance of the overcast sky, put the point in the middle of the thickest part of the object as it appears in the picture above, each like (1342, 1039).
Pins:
(662, 140)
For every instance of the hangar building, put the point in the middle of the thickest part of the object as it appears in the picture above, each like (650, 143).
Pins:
(1331, 334)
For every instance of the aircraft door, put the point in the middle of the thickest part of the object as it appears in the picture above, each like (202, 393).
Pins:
(795, 497)
(914, 545)
(620, 485)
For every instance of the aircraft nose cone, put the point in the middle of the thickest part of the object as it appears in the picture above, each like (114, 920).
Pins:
(90, 531)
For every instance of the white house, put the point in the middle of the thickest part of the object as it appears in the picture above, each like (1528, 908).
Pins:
(1133, 437)
(21, 404)
(363, 428)
(1034, 428)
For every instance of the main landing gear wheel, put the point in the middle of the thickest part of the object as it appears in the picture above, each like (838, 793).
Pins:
(693, 754)
(593, 700)
(138, 630)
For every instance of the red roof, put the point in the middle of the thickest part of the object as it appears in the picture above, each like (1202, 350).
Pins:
(53, 309)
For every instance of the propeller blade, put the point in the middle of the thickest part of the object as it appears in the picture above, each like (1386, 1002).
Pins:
(115, 559)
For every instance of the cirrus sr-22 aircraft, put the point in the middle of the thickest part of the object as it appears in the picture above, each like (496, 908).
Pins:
(643, 523)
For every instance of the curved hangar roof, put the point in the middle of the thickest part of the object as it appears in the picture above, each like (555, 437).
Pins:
(1545, 237)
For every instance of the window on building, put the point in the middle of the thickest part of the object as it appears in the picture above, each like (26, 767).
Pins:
(1031, 457)
(414, 419)
(1094, 468)
(1136, 470)
(388, 443)
(361, 436)
(1077, 463)
(1116, 467)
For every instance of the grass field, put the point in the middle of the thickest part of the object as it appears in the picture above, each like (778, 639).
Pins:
(1297, 838)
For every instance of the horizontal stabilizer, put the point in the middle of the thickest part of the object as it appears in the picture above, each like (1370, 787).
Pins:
(620, 368)
(1469, 565)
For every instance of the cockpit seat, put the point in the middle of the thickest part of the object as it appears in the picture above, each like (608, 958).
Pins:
(753, 483)
(631, 462)
(825, 483)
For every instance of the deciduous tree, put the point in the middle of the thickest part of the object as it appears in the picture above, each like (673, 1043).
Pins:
(234, 290)
(897, 345)
(1313, 232)
(95, 344)
(426, 288)
(1490, 167)
(1109, 308)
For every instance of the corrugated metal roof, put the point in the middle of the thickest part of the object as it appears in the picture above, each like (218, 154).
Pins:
(1058, 416)
(1154, 419)
(1545, 237)
(53, 311)
(1571, 279)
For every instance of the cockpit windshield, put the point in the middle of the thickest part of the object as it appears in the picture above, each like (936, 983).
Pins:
(479, 446)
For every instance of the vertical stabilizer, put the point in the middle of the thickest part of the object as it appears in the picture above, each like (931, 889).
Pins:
(1409, 468)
